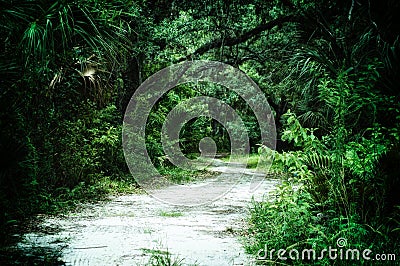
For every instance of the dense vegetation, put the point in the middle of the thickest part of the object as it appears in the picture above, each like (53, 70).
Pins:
(329, 70)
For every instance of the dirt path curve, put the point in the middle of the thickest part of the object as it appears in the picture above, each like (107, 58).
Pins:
(128, 229)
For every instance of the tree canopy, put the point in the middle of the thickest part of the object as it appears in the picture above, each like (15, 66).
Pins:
(329, 70)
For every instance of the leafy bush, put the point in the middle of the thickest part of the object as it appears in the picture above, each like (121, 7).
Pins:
(332, 187)
(91, 148)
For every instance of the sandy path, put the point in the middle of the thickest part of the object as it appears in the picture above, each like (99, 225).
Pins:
(125, 230)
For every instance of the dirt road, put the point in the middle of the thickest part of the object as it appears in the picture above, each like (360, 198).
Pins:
(128, 229)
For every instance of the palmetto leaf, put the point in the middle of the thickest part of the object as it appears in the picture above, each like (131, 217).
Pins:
(42, 37)
(48, 28)
(314, 119)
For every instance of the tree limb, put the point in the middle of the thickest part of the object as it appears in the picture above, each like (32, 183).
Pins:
(242, 38)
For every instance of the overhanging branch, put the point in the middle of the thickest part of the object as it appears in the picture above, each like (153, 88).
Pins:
(242, 38)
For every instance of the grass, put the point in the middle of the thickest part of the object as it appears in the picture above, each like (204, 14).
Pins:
(163, 258)
(118, 187)
(170, 214)
(181, 176)
(253, 161)
(65, 200)
(148, 231)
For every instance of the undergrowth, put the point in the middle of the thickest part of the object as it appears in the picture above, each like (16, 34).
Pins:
(336, 193)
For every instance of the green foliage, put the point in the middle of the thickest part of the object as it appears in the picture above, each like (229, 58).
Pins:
(333, 186)
(170, 214)
(57, 117)
(164, 258)
(91, 148)
(329, 70)
(179, 176)
(173, 104)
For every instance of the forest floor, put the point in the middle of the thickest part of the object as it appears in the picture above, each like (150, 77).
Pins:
(135, 229)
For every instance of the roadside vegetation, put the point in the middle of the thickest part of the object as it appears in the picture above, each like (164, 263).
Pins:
(329, 70)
